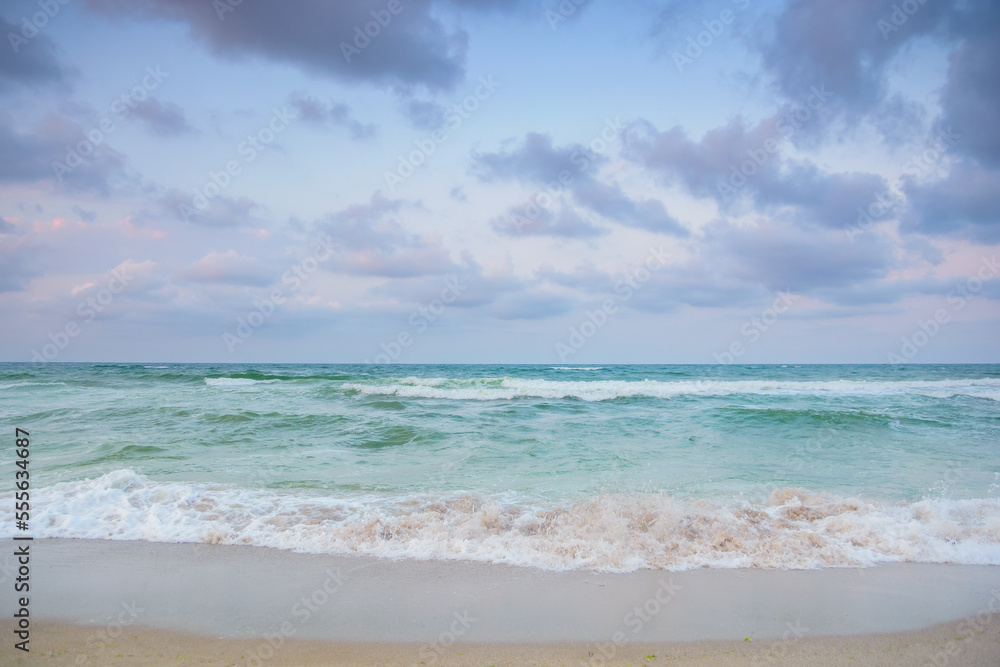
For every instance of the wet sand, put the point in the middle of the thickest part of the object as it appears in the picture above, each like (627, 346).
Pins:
(93, 600)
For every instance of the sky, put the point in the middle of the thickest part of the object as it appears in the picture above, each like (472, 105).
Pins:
(500, 181)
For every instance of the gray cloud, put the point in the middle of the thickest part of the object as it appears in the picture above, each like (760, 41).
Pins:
(796, 258)
(57, 151)
(314, 111)
(29, 64)
(424, 115)
(413, 48)
(85, 214)
(21, 258)
(841, 45)
(735, 164)
(701, 165)
(732, 265)
(966, 203)
(163, 118)
(971, 95)
(532, 305)
(537, 162)
(537, 221)
(373, 242)
(612, 203)
(220, 211)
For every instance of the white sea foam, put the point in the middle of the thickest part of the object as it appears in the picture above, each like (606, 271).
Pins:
(791, 529)
(16, 385)
(487, 389)
(235, 382)
(577, 368)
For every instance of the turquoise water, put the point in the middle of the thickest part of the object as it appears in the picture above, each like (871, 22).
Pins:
(611, 467)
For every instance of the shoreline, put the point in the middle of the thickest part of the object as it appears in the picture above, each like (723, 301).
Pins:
(220, 601)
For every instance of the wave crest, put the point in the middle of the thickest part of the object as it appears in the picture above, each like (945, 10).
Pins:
(506, 388)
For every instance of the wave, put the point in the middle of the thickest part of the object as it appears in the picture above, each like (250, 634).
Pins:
(577, 368)
(792, 529)
(505, 388)
(258, 375)
(16, 385)
(235, 382)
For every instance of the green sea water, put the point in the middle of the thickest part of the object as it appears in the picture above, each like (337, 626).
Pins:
(607, 467)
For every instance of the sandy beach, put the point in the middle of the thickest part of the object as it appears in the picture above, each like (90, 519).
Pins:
(112, 602)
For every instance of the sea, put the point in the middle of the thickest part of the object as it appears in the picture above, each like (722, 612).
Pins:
(610, 468)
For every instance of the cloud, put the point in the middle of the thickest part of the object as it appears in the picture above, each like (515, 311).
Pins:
(373, 242)
(840, 45)
(701, 165)
(162, 118)
(57, 151)
(219, 211)
(30, 64)
(971, 95)
(229, 268)
(534, 220)
(586, 277)
(424, 115)
(21, 258)
(732, 265)
(735, 165)
(850, 47)
(612, 203)
(899, 120)
(413, 47)
(537, 162)
(531, 305)
(84, 214)
(795, 258)
(965, 203)
(311, 110)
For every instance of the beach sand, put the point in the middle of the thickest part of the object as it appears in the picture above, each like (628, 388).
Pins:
(100, 602)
